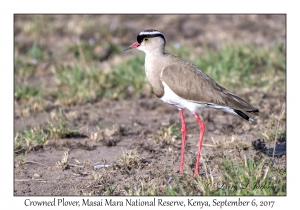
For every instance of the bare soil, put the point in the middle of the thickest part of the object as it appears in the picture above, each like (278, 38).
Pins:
(140, 118)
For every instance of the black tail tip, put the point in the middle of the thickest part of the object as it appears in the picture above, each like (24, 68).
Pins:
(246, 117)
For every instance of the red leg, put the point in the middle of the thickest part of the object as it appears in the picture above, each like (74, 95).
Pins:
(183, 134)
(202, 129)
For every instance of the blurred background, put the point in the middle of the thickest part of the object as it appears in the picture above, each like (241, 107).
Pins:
(50, 50)
(72, 80)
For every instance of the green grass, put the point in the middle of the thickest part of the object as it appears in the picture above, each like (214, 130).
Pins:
(233, 66)
(80, 85)
(30, 139)
(77, 85)
(23, 69)
(242, 66)
(59, 130)
(92, 50)
(31, 97)
(168, 134)
(37, 137)
(26, 92)
(239, 65)
(127, 78)
(248, 176)
(245, 176)
(35, 52)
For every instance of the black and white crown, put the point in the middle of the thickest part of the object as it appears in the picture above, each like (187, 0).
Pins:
(150, 33)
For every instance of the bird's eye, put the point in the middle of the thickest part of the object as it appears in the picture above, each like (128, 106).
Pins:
(146, 39)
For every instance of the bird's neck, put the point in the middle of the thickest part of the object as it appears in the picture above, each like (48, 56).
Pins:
(154, 63)
(155, 51)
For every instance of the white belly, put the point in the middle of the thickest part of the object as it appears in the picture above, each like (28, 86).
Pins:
(172, 98)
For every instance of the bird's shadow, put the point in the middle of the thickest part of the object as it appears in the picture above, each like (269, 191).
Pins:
(280, 148)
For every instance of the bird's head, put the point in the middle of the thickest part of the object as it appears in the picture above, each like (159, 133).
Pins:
(149, 41)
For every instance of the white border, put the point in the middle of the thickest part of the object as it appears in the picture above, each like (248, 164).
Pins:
(54, 6)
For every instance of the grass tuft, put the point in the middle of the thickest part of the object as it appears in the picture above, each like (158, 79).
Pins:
(37, 137)
(60, 130)
(130, 162)
(244, 176)
(26, 92)
(30, 139)
(63, 163)
(168, 134)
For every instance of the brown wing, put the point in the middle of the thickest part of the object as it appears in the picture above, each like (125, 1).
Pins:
(190, 83)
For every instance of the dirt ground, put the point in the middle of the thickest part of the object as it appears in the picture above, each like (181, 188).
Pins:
(140, 118)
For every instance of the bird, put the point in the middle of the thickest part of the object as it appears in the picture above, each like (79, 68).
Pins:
(180, 83)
